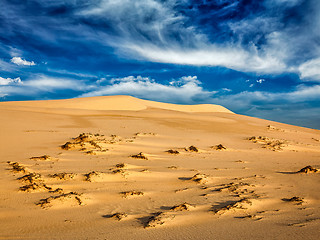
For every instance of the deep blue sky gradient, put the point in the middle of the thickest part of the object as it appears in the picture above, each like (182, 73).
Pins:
(258, 58)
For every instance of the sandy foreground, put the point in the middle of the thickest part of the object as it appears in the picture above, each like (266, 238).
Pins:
(123, 168)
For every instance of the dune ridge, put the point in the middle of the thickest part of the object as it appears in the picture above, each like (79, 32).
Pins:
(120, 102)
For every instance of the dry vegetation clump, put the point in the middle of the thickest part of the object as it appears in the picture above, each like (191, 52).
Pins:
(159, 219)
(193, 149)
(63, 176)
(199, 178)
(42, 158)
(171, 151)
(31, 177)
(86, 137)
(119, 216)
(295, 199)
(120, 165)
(257, 139)
(89, 176)
(140, 156)
(219, 147)
(145, 134)
(231, 187)
(173, 167)
(272, 144)
(69, 146)
(131, 193)
(308, 169)
(47, 202)
(35, 186)
(273, 128)
(86, 142)
(119, 171)
(234, 205)
(182, 207)
(17, 168)
(57, 190)
(34, 183)
(115, 139)
(91, 152)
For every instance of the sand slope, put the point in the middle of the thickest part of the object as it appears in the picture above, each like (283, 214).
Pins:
(124, 168)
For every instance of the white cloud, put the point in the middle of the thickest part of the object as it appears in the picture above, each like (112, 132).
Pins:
(310, 70)
(20, 61)
(10, 81)
(260, 80)
(226, 89)
(185, 90)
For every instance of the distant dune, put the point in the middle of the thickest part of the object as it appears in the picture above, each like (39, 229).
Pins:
(119, 167)
(116, 103)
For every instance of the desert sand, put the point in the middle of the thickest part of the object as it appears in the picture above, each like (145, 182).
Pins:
(124, 168)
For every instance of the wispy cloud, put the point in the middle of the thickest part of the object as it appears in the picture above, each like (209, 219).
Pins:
(48, 83)
(265, 42)
(261, 36)
(41, 85)
(310, 70)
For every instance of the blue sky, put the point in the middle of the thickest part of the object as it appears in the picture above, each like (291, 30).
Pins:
(258, 58)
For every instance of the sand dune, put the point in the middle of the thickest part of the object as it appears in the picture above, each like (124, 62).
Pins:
(123, 168)
(115, 103)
